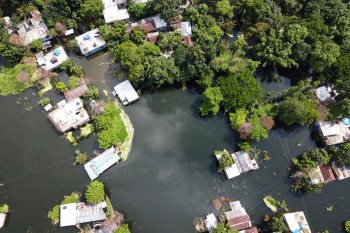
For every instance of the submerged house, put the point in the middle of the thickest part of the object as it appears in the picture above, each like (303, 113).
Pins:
(115, 10)
(237, 217)
(210, 222)
(91, 42)
(52, 60)
(76, 92)
(297, 222)
(33, 28)
(77, 213)
(102, 162)
(242, 164)
(68, 115)
(2, 220)
(334, 133)
(341, 172)
(126, 92)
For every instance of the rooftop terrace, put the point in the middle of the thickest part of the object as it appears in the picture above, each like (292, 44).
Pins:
(53, 59)
(91, 42)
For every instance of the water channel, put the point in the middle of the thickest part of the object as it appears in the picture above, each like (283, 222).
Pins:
(170, 176)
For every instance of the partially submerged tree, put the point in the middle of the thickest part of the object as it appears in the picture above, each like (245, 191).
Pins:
(95, 192)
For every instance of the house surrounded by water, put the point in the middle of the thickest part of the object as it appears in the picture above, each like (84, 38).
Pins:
(334, 133)
(237, 217)
(126, 92)
(52, 60)
(296, 222)
(102, 162)
(69, 115)
(91, 42)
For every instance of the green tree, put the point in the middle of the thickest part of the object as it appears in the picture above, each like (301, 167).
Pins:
(240, 90)
(277, 224)
(93, 93)
(324, 55)
(238, 118)
(95, 192)
(127, 55)
(224, 8)
(44, 101)
(244, 146)
(224, 227)
(341, 155)
(319, 156)
(347, 226)
(61, 87)
(36, 45)
(211, 100)
(168, 9)
(138, 10)
(339, 109)
(123, 228)
(92, 9)
(258, 131)
(138, 35)
(225, 160)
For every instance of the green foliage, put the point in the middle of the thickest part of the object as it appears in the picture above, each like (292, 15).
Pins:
(73, 82)
(347, 226)
(81, 158)
(138, 35)
(36, 45)
(4, 208)
(168, 9)
(44, 101)
(86, 130)
(169, 41)
(115, 34)
(339, 109)
(73, 46)
(324, 55)
(277, 224)
(299, 109)
(110, 127)
(258, 131)
(123, 228)
(223, 8)
(271, 203)
(16, 79)
(73, 198)
(244, 146)
(92, 9)
(211, 100)
(61, 87)
(341, 155)
(93, 93)
(11, 53)
(95, 192)
(224, 227)
(225, 160)
(54, 214)
(240, 90)
(138, 10)
(238, 118)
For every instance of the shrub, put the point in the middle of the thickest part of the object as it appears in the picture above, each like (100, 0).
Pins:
(124, 228)
(4, 209)
(36, 45)
(44, 101)
(238, 118)
(81, 158)
(95, 192)
(54, 214)
(347, 226)
(244, 146)
(61, 87)
(73, 82)
(225, 160)
(93, 93)
(73, 46)
(277, 224)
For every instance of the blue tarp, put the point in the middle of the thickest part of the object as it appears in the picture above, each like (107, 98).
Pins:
(87, 37)
(57, 52)
(346, 121)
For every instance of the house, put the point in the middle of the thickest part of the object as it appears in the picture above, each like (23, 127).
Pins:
(160, 24)
(126, 92)
(186, 28)
(249, 230)
(115, 10)
(324, 94)
(153, 37)
(327, 173)
(230, 171)
(52, 60)
(333, 133)
(341, 172)
(211, 222)
(8, 24)
(76, 92)
(315, 175)
(296, 222)
(2, 220)
(77, 213)
(91, 42)
(68, 115)
(102, 162)
(33, 28)
(237, 217)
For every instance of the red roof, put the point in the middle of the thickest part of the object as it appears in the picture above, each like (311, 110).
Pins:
(240, 223)
(251, 230)
(187, 40)
(149, 26)
(327, 173)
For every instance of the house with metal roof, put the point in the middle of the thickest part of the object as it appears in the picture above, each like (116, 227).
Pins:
(327, 173)
(33, 28)
(244, 162)
(52, 60)
(324, 94)
(115, 10)
(297, 222)
(237, 217)
(341, 172)
(77, 213)
(333, 133)
(160, 24)
(76, 92)
(211, 222)
(102, 162)
(126, 92)
(68, 115)
(91, 42)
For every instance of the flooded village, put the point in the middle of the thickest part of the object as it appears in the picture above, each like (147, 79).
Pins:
(79, 120)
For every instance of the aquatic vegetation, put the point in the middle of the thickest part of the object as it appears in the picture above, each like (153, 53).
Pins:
(271, 203)
(347, 226)
(44, 101)
(69, 136)
(4, 209)
(81, 158)
(86, 131)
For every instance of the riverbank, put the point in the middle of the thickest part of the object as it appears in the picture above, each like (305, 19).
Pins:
(125, 147)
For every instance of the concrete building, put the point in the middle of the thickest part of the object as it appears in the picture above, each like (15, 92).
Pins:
(52, 60)
(69, 115)
(102, 162)
(77, 213)
(33, 28)
(91, 42)
(115, 10)
(297, 222)
(126, 92)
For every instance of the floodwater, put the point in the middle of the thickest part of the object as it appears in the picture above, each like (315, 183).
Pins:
(170, 176)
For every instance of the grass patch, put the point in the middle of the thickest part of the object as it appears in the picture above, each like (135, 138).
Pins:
(46, 87)
(16, 79)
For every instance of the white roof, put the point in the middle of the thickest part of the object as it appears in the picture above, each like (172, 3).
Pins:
(69, 32)
(53, 59)
(113, 13)
(323, 93)
(48, 107)
(230, 171)
(68, 214)
(90, 41)
(329, 129)
(186, 29)
(211, 222)
(101, 163)
(139, 1)
(2, 219)
(126, 92)
(296, 221)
